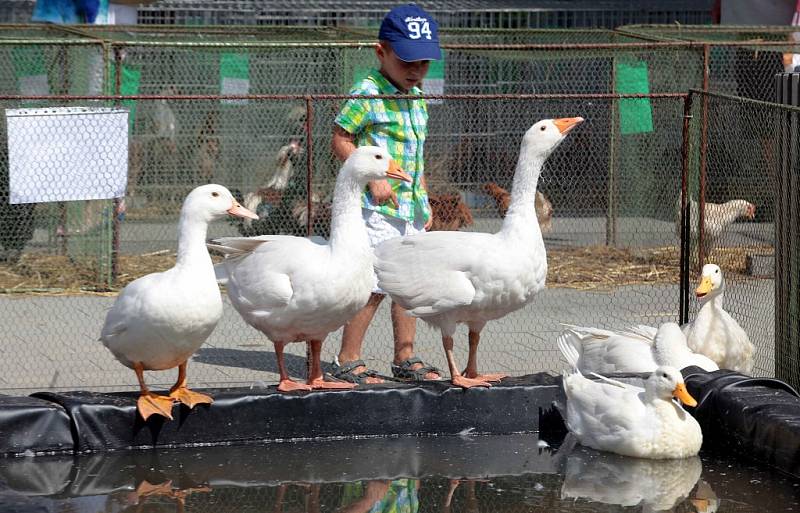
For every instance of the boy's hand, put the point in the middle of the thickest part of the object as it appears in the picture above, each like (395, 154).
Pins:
(382, 192)
(429, 223)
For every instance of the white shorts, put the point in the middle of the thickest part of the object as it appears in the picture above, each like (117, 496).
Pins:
(381, 227)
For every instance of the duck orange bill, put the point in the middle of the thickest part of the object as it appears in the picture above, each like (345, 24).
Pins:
(239, 211)
(395, 172)
(704, 287)
(680, 393)
(566, 124)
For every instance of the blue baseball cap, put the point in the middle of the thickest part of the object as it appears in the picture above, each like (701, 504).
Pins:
(412, 32)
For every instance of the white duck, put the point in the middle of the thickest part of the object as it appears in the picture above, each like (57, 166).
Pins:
(714, 332)
(159, 320)
(294, 289)
(637, 349)
(475, 277)
(632, 421)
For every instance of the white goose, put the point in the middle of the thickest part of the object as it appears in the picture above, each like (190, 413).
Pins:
(637, 349)
(474, 277)
(633, 421)
(159, 320)
(714, 332)
(294, 289)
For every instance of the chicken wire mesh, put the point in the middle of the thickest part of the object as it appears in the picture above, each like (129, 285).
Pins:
(613, 249)
(627, 173)
(733, 170)
(741, 60)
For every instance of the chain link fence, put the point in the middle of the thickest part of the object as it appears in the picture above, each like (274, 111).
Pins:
(612, 260)
(741, 60)
(732, 173)
(613, 186)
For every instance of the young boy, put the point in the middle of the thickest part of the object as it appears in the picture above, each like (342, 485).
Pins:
(408, 41)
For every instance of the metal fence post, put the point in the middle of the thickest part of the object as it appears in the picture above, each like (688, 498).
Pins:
(115, 227)
(611, 208)
(701, 193)
(787, 235)
(309, 192)
(309, 163)
(685, 218)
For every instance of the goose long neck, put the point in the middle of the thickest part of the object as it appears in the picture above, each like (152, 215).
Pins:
(346, 224)
(714, 304)
(521, 215)
(192, 242)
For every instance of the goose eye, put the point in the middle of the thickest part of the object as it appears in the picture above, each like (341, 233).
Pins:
(379, 157)
(215, 194)
(543, 128)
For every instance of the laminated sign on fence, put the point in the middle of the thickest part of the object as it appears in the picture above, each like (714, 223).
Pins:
(67, 153)
(234, 71)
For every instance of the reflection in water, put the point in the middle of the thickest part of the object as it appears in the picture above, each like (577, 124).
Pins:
(163, 490)
(503, 474)
(656, 485)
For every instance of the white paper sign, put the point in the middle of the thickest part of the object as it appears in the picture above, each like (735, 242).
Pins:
(67, 153)
(235, 86)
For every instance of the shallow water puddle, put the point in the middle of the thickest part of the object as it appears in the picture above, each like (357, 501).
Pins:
(503, 474)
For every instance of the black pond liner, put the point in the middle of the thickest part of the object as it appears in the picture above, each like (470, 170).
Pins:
(31, 424)
(100, 422)
(759, 417)
(756, 417)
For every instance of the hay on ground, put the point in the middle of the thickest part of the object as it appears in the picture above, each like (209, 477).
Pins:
(584, 268)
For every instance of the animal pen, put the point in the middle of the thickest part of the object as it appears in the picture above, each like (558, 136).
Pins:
(238, 106)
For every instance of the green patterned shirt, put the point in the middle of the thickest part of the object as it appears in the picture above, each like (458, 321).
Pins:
(399, 126)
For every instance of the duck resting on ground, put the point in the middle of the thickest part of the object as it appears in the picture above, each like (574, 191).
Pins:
(159, 320)
(472, 277)
(636, 349)
(611, 416)
(295, 289)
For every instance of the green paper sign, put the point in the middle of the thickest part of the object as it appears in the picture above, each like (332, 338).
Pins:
(234, 65)
(234, 73)
(635, 114)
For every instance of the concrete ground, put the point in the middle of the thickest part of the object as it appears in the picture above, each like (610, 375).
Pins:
(51, 341)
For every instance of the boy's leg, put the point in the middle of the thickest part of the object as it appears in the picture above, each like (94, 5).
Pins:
(404, 327)
(353, 335)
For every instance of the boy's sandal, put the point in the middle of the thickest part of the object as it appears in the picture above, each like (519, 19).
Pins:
(404, 371)
(345, 372)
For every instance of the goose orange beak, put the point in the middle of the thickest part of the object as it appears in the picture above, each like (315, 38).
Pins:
(680, 393)
(239, 211)
(566, 124)
(751, 211)
(704, 287)
(397, 173)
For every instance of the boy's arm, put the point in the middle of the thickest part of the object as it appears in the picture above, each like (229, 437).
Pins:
(343, 144)
(429, 223)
